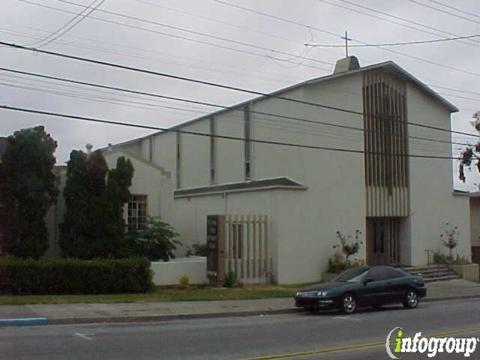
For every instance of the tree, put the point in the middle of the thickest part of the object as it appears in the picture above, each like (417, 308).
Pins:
(156, 241)
(28, 191)
(470, 153)
(94, 196)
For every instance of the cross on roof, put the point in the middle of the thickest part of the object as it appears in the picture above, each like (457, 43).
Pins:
(347, 39)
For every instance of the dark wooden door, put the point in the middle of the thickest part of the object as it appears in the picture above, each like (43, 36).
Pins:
(383, 243)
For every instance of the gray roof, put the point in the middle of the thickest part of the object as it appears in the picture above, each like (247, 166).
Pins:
(387, 65)
(254, 185)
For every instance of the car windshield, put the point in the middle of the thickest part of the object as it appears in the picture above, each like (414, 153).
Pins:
(351, 275)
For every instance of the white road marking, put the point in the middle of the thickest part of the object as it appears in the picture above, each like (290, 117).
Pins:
(346, 318)
(84, 336)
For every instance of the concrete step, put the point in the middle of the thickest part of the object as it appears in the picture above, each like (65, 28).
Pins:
(442, 278)
(433, 273)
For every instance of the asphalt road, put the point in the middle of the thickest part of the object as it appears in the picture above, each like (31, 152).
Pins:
(323, 336)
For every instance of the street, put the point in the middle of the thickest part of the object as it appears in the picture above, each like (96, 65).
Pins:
(325, 335)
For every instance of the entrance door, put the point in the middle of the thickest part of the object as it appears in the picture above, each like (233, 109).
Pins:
(383, 247)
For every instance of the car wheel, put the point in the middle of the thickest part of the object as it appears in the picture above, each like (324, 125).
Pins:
(411, 299)
(349, 304)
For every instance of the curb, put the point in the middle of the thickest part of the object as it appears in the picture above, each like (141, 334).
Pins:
(158, 318)
(459, 297)
(23, 322)
(154, 318)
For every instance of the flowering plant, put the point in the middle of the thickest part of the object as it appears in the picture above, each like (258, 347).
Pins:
(348, 245)
(450, 238)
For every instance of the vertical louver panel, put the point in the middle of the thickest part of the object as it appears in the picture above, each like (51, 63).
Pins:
(386, 146)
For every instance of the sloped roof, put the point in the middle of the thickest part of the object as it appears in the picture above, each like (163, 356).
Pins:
(137, 158)
(387, 65)
(254, 185)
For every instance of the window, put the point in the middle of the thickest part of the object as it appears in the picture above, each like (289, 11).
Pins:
(247, 143)
(137, 212)
(213, 145)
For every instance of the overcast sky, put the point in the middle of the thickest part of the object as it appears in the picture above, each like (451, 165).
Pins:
(259, 52)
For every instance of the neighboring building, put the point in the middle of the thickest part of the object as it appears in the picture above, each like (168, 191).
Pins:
(475, 225)
(399, 202)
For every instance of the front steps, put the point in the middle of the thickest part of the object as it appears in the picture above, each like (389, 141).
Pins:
(431, 273)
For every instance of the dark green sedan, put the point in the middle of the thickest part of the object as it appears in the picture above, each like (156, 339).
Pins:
(364, 286)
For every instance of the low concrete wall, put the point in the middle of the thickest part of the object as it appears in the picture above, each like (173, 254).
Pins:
(468, 271)
(170, 272)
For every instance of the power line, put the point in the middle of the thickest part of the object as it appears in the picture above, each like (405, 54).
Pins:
(419, 42)
(225, 137)
(230, 70)
(456, 9)
(234, 108)
(209, 83)
(444, 11)
(72, 23)
(197, 33)
(362, 42)
(266, 76)
(399, 18)
(106, 100)
(454, 89)
(241, 27)
(63, 26)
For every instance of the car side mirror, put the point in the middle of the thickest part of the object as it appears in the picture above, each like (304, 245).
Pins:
(366, 281)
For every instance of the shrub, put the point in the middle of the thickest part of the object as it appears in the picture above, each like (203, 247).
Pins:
(156, 241)
(439, 258)
(230, 280)
(336, 265)
(197, 250)
(184, 282)
(74, 276)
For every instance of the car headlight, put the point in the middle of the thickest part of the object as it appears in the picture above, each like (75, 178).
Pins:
(298, 293)
(322, 293)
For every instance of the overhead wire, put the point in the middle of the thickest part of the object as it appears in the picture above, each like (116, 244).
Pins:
(225, 137)
(176, 36)
(212, 84)
(203, 103)
(70, 24)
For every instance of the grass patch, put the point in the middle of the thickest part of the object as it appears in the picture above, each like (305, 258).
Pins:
(170, 294)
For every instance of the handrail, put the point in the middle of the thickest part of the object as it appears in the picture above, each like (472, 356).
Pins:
(428, 251)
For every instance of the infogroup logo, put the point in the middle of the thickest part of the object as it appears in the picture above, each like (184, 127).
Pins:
(397, 344)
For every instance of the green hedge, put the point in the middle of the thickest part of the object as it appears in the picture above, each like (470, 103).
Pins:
(74, 276)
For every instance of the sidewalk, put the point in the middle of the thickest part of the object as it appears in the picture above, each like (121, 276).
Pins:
(156, 311)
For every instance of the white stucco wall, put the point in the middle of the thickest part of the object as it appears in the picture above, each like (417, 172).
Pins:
(170, 272)
(432, 203)
(307, 222)
(149, 180)
(304, 224)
